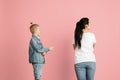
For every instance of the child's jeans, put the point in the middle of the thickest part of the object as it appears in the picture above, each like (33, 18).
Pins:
(37, 68)
(85, 70)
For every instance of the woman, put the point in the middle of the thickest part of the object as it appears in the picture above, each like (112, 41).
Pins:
(84, 43)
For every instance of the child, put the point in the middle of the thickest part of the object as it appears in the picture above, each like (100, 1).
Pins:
(37, 51)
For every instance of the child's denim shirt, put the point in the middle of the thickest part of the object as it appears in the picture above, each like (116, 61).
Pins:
(36, 50)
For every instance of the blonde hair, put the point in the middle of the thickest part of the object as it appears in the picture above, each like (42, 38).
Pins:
(33, 27)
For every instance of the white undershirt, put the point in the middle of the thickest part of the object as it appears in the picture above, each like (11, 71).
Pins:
(86, 52)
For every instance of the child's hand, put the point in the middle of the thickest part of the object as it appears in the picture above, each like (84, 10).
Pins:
(51, 48)
(44, 54)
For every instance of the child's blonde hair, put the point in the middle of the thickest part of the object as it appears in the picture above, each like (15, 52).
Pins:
(33, 27)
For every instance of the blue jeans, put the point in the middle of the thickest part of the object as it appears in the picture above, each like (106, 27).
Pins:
(37, 68)
(85, 70)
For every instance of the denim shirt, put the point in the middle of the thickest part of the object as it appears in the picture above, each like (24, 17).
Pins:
(36, 50)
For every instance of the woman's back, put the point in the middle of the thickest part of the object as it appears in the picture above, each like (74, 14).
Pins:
(85, 53)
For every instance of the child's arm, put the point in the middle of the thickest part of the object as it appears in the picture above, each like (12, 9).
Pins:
(38, 48)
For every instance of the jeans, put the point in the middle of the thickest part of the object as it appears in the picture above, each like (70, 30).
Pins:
(37, 68)
(85, 70)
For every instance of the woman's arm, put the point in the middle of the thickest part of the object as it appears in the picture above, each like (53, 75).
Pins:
(94, 41)
(94, 45)
(74, 46)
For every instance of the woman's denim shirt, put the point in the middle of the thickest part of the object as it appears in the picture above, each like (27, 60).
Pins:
(36, 50)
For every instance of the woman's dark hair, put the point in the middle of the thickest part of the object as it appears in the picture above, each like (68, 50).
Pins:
(80, 25)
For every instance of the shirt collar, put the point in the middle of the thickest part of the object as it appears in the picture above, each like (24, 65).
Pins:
(35, 36)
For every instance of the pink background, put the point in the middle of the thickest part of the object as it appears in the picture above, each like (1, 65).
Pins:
(57, 19)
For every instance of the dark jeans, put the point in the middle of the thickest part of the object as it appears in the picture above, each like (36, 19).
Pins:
(85, 70)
